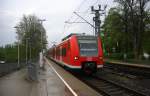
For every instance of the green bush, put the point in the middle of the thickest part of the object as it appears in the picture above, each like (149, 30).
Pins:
(115, 56)
(120, 56)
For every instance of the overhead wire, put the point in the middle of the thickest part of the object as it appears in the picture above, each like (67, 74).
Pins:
(78, 8)
(85, 14)
(86, 11)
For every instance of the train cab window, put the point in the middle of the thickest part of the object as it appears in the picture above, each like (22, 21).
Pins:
(63, 51)
(88, 47)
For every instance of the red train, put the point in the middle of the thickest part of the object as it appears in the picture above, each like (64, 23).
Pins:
(79, 51)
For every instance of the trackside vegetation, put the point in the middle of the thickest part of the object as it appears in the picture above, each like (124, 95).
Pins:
(127, 29)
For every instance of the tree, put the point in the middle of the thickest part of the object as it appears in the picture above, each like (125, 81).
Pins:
(113, 26)
(146, 39)
(31, 34)
(133, 16)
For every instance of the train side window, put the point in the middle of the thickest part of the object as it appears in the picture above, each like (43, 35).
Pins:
(63, 51)
(58, 52)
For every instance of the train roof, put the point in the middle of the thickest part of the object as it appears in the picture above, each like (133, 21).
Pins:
(77, 34)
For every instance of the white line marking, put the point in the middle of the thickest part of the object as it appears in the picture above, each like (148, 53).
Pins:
(73, 92)
(99, 66)
(62, 63)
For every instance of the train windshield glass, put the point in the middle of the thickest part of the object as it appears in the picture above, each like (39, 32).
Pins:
(88, 47)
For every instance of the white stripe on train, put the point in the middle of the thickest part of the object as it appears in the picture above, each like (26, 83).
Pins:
(74, 67)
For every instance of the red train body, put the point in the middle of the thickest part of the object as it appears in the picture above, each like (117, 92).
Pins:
(78, 51)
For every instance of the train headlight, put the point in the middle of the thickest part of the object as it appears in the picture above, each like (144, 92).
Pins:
(100, 57)
(76, 58)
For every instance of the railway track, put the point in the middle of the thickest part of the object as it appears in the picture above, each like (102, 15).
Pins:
(110, 88)
(122, 74)
(133, 70)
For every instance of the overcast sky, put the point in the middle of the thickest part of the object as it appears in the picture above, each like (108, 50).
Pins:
(56, 12)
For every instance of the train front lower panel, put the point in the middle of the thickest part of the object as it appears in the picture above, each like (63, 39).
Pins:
(78, 56)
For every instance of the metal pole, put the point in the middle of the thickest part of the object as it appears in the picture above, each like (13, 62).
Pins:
(96, 19)
(41, 20)
(30, 53)
(18, 55)
(41, 42)
(18, 65)
(26, 51)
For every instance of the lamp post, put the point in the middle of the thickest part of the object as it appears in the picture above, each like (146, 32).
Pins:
(27, 50)
(19, 49)
(41, 21)
(41, 53)
(18, 65)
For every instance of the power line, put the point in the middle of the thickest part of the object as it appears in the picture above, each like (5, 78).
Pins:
(77, 9)
(86, 11)
(80, 5)
(73, 15)
(85, 14)
(83, 19)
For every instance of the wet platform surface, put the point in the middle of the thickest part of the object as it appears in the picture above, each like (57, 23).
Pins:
(79, 88)
(48, 84)
(17, 84)
(51, 85)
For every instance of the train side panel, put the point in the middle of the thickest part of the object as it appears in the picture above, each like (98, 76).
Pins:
(68, 53)
(74, 52)
(100, 53)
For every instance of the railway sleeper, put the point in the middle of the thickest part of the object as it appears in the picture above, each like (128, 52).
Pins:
(115, 90)
(121, 93)
(106, 87)
(125, 87)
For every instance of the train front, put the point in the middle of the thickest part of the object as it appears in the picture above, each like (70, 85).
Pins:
(90, 54)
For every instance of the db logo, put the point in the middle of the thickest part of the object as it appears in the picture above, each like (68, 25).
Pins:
(89, 59)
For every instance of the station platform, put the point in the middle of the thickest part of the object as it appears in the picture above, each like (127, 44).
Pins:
(16, 84)
(119, 62)
(54, 81)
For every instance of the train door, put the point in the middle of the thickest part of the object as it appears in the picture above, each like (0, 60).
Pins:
(55, 53)
(60, 57)
(68, 52)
